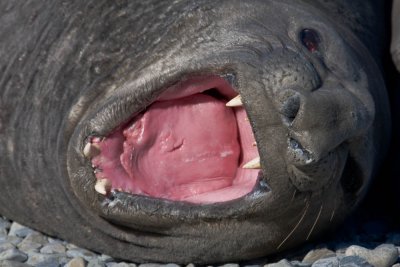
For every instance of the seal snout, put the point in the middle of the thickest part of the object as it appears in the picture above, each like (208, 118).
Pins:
(328, 118)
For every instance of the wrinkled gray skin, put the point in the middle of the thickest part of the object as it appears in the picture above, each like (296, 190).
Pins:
(77, 68)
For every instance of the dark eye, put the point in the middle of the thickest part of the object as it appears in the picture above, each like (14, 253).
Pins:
(310, 39)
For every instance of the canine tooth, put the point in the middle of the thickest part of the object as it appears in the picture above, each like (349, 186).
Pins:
(103, 186)
(254, 144)
(253, 164)
(91, 150)
(235, 102)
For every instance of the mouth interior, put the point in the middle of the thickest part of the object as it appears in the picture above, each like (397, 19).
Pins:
(186, 146)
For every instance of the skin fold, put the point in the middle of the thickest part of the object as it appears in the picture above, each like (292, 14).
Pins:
(316, 102)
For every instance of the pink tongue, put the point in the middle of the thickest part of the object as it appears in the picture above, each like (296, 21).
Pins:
(182, 147)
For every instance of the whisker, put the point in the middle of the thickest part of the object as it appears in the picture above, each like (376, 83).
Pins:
(333, 212)
(315, 223)
(294, 195)
(295, 227)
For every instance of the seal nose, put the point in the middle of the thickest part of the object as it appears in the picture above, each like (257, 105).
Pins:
(319, 121)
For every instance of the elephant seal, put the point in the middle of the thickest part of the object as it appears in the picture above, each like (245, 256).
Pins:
(188, 131)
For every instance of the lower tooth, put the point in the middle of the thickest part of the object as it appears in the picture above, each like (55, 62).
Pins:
(91, 150)
(103, 186)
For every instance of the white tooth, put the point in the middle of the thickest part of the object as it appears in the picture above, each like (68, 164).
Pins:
(91, 150)
(235, 102)
(253, 164)
(103, 186)
(254, 143)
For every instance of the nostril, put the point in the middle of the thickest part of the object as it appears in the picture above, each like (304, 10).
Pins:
(299, 154)
(290, 107)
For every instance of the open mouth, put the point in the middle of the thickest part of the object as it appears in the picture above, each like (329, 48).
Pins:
(193, 144)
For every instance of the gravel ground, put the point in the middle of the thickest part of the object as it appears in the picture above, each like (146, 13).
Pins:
(368, 245)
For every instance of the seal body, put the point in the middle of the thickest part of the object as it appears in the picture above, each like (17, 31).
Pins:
(80, 78)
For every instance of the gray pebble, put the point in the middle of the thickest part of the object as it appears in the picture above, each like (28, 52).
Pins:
(46, 260)
(72, 246)
(341, 250)
(96, 263)
(28, 246)
(4, 224)
(190, 265)
(327, 262)
(13, 255)
(150, 265)
(15, 240)
(19, 230)
(229, 265)
(13, 264)
(80, 252)
(53, 248)
(300, 264)
(36, 237)
(396, 265)
(176, 265)
(354, 261)
(76, 262)
(6, 246)
(382, 256)
(121, 264)
(317, 254)
(56, 240)
(106, 258)
(3, 233)
(282, 263)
